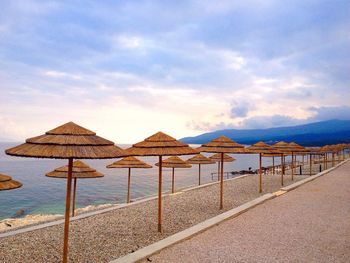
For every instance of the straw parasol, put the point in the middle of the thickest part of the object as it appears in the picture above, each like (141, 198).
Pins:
(174, 162)
(312, 151)
(160, 144)
(325, 150)
(262, 148)
(285, 149)
(7, 183)
(200, 159)
(217, 158)
(79, 170)
(68, 141)
(129, 162)
(295, 149)
(222, 145)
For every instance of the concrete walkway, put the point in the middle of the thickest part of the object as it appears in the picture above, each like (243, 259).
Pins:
(308, 224)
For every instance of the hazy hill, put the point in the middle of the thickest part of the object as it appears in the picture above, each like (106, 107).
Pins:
(312, 134)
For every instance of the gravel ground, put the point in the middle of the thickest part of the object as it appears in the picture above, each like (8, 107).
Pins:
(104, 237)
(309, 224)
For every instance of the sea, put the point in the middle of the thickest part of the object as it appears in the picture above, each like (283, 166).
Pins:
(44, 195)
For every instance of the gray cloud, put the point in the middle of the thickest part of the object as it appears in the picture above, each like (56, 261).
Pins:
(240, 108)
(260, 122)
(328, 113)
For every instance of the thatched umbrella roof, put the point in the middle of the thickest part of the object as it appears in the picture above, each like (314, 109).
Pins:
(222, 144)
(174, 162)
(281, 146)
(129, 162)
(200, 159)
(160, 144)
(67, 141)
(294, 147)
(313, 150)
(261, 147)
(80, 170)
(6, 183)
(217, 158)
(327, 149)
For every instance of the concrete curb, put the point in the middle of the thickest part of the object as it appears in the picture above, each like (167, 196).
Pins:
(105, 210)
(311, 178)
(189, 232)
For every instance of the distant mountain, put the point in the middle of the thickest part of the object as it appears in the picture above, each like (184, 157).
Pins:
(312, 134)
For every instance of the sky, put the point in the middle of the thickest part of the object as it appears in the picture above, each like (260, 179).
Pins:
(127, 69)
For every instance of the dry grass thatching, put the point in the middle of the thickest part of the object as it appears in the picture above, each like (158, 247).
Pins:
(327, 149)
(313, 150)
(6, 183)
(129, 162)
(227, 158)
(200, 159)
(68, 141)
(80, 170)
(160, 144)
(222, 144)
(174, 162)
(289, 148)
(261, 147)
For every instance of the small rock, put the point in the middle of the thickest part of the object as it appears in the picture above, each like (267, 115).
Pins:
(20, 212)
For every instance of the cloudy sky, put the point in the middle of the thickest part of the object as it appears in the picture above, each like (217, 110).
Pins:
(127, 69)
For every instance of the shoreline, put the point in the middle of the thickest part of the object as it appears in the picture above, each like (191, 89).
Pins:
(9, 224)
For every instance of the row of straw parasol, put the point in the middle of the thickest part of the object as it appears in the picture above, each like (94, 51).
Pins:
(71, 141)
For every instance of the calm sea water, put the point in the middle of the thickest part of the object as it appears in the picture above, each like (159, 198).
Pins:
(41, 194)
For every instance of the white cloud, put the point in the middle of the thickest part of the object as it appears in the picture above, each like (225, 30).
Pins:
(60, 74)
(130, 42)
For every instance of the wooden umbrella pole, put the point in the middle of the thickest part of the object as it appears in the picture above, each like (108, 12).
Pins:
(260, 173)
(218, 170)
(273, 165)
(129, 179)
(292, 166)
(332, 159)
(66, 218)
(74, 195)
(172, 181)
(160, 196)
(222, 182)
(282, 169)
(310, 164)
(199, 174)
(325, 161)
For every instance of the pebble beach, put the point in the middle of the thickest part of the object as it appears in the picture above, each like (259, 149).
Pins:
(107, 236)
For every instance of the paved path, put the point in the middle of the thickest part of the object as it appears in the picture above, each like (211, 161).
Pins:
(309, 224)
